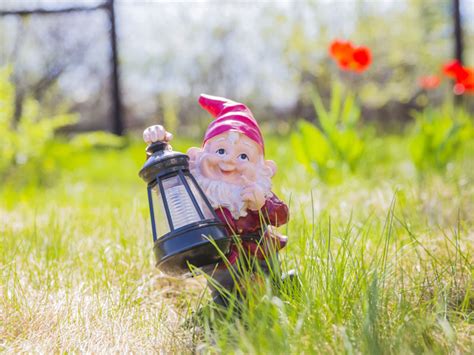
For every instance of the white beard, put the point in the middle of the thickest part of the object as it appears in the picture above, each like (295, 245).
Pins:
(226, 195)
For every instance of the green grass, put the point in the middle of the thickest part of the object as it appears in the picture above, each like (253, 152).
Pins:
(385, 261)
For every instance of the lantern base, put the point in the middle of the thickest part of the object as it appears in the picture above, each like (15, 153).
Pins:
(197, 244)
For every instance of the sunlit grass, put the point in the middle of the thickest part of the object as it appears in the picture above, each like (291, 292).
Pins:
(385, 261)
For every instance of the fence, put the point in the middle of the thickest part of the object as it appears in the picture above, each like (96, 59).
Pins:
(116, 123)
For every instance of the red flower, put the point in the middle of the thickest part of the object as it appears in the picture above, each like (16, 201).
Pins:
(349, 57)
(463, 77)
(466, 85)
(429, 82)
(455, 70)
(362, 58)
(341, 50)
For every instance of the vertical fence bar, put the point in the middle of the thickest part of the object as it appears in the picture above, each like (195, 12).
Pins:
(458, 35)
(458, 39)
(117, 120)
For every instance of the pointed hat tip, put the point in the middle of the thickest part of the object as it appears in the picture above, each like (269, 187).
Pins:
(214, 104)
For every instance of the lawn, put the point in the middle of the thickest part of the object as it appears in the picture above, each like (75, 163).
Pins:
(384, 256)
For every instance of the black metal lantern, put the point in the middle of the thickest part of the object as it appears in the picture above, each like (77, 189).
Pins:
(182, 219)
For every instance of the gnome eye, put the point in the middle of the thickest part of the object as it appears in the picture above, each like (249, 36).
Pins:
(243, 156)
(220, 151)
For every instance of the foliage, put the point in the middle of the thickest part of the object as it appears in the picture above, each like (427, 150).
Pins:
(25, 152)
(29, 148)
(336, 146)
(438, 136)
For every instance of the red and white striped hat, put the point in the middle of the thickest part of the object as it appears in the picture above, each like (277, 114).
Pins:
(230, 116)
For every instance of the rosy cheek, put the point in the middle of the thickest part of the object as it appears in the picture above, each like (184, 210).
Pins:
(209, 165)
(248, 169)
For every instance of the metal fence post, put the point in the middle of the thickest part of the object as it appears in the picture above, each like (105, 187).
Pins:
(117, 118)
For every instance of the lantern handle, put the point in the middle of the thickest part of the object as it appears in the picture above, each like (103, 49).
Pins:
(155, 147)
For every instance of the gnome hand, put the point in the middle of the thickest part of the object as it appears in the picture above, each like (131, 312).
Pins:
(253, 195)
(273, 240)
(156, 133)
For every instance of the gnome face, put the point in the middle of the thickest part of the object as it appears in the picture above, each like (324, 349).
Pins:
(232, 157)
(228, 164)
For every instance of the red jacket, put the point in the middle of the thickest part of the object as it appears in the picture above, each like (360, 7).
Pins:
(274, 213)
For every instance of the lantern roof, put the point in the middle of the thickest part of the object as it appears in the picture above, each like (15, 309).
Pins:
(162, 160)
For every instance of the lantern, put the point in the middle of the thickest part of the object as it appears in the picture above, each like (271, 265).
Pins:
(183, 221)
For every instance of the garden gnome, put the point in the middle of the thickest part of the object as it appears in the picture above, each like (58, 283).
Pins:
(232, 171)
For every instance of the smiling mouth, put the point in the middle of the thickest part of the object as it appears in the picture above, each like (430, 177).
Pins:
(226, 172)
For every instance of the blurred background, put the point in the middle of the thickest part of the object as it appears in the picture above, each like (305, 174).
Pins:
(122, 65)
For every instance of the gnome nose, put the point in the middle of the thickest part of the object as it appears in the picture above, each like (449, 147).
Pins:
(227, 164)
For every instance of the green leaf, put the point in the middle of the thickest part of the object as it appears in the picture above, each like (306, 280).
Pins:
(315, 143)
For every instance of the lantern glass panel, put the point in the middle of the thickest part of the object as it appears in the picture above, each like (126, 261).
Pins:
(181, 207)
(161, 222)
(204, 208)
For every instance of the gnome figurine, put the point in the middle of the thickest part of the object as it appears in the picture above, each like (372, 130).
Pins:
(232, 171)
